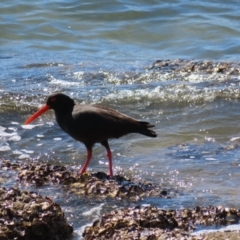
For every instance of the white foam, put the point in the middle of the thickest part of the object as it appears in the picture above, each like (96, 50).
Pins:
(77, 234)
(60, 82)
(27, 151)
(4, 134)
(12, 129)
(14, 123)
(209, 139)
(17, 152)
(178, 92)
(15, 138)
(78, 75)
(234, 227)
(211, 159)
(4, 148)
(2, 129)
(40, 135)
(185, 88)
(30, 126)
(57, 139)
(23, 156)
(234, 139)
(95, 210)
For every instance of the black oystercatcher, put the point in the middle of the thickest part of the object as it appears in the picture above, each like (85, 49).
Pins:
(92, 124)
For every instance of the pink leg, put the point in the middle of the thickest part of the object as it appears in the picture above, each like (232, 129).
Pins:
(109, 156)
(84, 168)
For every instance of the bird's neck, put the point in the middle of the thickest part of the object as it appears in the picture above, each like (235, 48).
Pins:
(63, 118)
(63, 110)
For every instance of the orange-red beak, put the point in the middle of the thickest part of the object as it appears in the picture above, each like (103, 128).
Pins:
(42, 110)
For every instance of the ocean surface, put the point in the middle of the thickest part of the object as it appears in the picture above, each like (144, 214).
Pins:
(102, 52)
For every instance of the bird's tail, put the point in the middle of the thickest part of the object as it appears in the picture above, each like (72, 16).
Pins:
(144, 129)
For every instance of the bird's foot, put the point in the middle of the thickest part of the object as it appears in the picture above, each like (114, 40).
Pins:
(110, 174)
(82, 171)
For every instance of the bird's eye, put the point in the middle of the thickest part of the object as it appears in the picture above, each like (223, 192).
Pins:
(53, 99)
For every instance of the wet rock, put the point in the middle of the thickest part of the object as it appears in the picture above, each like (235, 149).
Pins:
(226, 235)
(153, 223)
(27, 215)
(203, 67)
(88, 184)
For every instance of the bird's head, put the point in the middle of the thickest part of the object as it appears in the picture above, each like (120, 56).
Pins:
(57, 102)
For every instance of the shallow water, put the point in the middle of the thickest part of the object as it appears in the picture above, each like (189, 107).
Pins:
(101, 53)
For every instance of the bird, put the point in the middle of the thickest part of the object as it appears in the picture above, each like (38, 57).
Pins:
(92, 123)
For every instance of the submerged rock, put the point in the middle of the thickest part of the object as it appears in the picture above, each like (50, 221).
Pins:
(204, 67)
(88, 184)
(27, 215)
(152, 223)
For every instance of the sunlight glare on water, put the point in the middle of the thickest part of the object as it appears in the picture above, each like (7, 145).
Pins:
(174, 64)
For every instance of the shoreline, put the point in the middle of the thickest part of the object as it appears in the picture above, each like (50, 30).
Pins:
(139, 221)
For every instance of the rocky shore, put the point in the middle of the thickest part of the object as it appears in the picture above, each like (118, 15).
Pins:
(200, 67)
(152, 223)
(27, 215)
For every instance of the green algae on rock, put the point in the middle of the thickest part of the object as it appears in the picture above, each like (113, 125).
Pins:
(27, 215)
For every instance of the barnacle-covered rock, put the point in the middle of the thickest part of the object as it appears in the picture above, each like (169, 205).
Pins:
(202, 67)
(27, 215)
(90, 184)
(153, 223)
